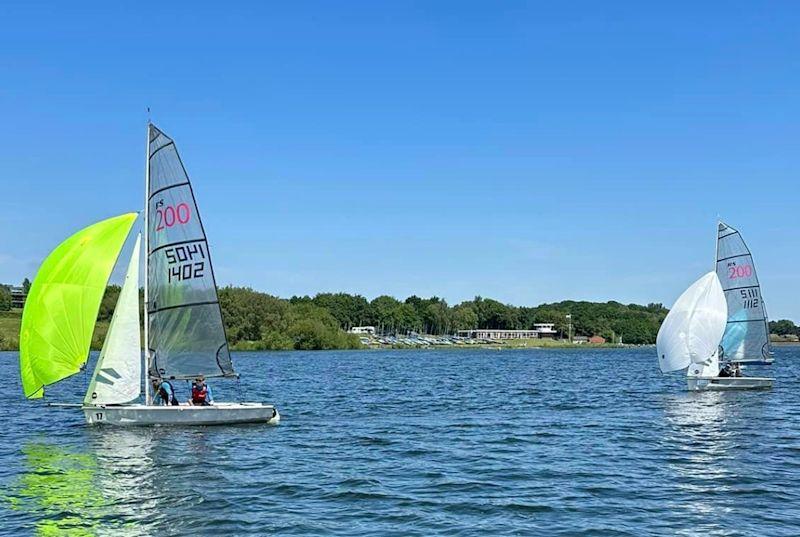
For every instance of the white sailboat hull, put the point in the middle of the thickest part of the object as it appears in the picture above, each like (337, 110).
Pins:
(217, 414)
(729, 383)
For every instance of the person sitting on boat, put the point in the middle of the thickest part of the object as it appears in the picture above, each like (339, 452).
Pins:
(726, 371)
(201, 393)
(164, 393)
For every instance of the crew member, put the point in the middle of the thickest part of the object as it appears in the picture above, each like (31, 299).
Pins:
(164, 393)
(201, 392)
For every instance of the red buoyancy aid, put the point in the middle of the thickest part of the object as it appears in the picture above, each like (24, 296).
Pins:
(198, 394)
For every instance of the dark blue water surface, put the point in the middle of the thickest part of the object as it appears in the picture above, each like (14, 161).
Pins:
(475, 442)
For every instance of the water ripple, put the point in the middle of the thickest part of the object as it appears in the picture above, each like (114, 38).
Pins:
(546, 442)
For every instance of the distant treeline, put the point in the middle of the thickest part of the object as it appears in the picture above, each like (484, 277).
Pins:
(259, 321)
(784, 327)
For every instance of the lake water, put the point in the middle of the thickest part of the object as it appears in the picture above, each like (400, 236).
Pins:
(475, 442)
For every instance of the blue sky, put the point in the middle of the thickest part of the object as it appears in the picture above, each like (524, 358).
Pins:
(525, 151)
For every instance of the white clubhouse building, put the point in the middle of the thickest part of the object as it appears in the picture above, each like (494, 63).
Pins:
(540, 330)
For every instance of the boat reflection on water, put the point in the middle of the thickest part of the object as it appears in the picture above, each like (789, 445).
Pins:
(702, 435)
(127, 476)
(57, 490)
(104, 487)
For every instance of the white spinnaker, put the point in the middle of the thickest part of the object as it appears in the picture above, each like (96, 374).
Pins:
(694, 326)
(118, 373)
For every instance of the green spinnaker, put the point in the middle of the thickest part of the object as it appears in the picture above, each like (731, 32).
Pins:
(61, 308)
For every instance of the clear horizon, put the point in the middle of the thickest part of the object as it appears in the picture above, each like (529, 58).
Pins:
(523, 153)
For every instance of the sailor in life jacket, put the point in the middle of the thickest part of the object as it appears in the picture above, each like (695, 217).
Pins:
(164, 393)
(201, 392)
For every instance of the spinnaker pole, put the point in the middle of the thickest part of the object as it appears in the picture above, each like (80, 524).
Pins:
(146, 368)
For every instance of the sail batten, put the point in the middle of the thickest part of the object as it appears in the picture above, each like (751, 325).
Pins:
(746, 338)
(186, 334)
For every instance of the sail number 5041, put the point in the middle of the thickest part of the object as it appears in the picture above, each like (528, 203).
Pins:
(171, 215)
(185, 262)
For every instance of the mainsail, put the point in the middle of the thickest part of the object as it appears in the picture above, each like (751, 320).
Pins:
(186, 335)
(746, 338)
(694, 326)
(61, 308)
(117, 376)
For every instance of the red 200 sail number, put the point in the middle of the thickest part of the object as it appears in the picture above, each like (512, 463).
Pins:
(172, 215)
(739, 271)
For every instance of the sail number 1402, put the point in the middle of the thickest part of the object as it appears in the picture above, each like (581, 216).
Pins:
(185, 262)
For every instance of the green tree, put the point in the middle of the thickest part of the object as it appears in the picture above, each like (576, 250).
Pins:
(784, 327)
(464, 318)
(349, 310)
(5, 298)
(381, 313)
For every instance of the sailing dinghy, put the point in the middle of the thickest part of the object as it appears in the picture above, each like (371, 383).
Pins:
(183, 321)
(719, 323)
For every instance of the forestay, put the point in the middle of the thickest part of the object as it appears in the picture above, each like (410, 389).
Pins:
(694, 326)
(186, 335)
(117, 376)
(62, 305)
(746, 336)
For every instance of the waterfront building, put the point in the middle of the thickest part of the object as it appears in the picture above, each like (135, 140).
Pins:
(17, 297)
(540, 330)
(363, 330)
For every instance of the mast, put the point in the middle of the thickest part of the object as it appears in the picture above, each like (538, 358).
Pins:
(716, 263)
(145, 369)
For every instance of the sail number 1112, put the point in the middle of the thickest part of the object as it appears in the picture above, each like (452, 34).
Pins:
(750, 298)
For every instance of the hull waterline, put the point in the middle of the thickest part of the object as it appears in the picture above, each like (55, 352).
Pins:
(217, 414)
(729, 383)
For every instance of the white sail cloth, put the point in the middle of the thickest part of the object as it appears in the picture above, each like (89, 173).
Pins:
(746, 337)
(118, 373)
(692, 331)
